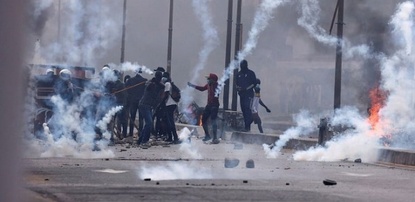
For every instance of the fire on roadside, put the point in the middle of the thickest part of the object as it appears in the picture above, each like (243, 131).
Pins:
(377, 101)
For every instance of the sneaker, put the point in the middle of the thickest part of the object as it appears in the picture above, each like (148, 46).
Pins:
(215, 141)
(145, 145)
(244, 130)
(207, 138)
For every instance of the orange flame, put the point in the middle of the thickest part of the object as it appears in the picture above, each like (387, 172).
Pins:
(200, 120)
(377, 101)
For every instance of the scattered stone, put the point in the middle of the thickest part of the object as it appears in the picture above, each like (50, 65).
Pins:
(187, 183)
(147, 179)
(127, 147)
(238, 146)
(157, 183)
(46, 179)
(107, 159)
(358, 160)
(329, 182)
(287, 184)
(287, 168)
(213, 184)
(245, 181)
(231, 163)
(122, 150)
(250, 163)
(77, 164)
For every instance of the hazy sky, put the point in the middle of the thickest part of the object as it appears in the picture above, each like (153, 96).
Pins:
(296, 70)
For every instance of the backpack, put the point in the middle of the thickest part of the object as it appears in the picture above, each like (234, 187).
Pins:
(175, 92)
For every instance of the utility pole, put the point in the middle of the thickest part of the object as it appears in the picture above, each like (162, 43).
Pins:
(123, 31)
(59, 21)
(170, 38)
(228, 54)
(338, 70)
(238, 37)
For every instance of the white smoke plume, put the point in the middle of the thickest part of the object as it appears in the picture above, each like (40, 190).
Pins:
(310, 12)
(135, 67)
(41, 6)
(305, 124)
(71, 134)
(174, 171)
(186, 146)
(210, 42)
(310, 16)
(402, 23)
(102, 124)
(395, 125)
(87, 30)
(262, 16)
(356, 139)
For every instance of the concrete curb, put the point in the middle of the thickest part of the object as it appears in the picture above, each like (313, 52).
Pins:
(252, 138)
(396, 156)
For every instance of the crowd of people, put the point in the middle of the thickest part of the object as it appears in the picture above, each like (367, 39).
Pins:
(154, 104)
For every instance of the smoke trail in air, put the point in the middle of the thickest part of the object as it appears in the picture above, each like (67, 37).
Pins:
(262, 16)
(210, 42)
(310, 12)
(102, 124)
(310, 16)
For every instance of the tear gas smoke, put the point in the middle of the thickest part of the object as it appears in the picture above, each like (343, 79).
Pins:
(135, 67)
(173, 171)
(186, 146)
(403, 25)
(262, 16)
(87, 28)
(210, 42)
(70, 136)
(356, 141)
(102, 124)
(108, 76)
(310, 12)
(41, 6)
(360, 139)
(80, 41)
(305, 125)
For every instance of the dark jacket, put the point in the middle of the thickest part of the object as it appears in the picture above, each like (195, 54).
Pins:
(244, 79)
(211, 88)
(120, 96)
(153, 93)
(136, 93)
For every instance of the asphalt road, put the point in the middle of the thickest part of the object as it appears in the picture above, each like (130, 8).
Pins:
(197, 173)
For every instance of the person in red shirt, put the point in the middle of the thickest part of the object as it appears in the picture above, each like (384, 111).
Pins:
(212, 106)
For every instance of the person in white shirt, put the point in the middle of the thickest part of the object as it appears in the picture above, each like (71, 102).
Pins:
(171, 106)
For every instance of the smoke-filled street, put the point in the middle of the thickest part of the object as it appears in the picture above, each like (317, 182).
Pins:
(204, 100)
(169, 173)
